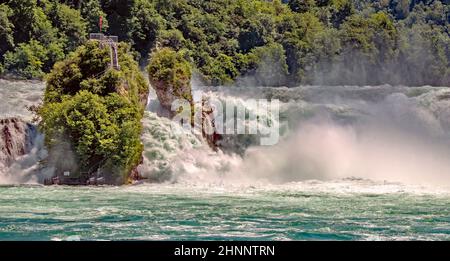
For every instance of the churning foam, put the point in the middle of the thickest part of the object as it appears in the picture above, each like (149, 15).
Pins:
(400, 137)
(16, 97)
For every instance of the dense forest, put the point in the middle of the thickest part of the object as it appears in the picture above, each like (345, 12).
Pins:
(247, 42)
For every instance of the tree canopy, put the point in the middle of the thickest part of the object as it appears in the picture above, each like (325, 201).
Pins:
(320, 41)
(97, 110)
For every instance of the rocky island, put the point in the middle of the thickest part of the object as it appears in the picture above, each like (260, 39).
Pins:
(91, 116)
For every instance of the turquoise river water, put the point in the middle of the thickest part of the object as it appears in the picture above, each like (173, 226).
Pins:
(341, 210)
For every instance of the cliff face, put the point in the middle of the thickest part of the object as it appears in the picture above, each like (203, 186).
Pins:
(15, 139)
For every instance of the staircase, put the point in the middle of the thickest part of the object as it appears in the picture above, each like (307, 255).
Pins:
(114, 57)
(111, 42)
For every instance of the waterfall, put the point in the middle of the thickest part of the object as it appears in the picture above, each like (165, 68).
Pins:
(372, 132)
(394, 133)
(21, 145)
(21, 149)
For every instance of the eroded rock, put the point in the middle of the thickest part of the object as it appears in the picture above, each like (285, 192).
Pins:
(15, 139)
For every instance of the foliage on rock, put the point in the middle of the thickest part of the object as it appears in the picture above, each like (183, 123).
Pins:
(97, 109)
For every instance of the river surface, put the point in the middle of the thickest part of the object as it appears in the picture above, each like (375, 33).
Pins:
(344, 210)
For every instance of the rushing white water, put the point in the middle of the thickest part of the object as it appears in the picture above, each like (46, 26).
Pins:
(17, 96)
(381, 133)
(22, 146)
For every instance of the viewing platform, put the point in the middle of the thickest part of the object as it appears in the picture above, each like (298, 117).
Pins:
(110, 41)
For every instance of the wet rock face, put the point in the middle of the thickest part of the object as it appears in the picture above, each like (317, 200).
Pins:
(208, 125)
(204, 117)
(15, 139)
(167, 95)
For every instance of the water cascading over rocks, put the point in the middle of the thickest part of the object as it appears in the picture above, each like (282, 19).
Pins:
(170, 75)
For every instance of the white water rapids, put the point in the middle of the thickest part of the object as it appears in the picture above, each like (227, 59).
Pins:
(381, 133)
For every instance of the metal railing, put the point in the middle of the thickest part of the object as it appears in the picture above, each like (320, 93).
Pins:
(111, 41)
(102, 37)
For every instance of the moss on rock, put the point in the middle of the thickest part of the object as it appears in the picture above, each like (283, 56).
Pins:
(170, 75)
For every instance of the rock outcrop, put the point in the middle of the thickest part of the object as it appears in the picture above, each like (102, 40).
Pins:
(16, 139)
(99, 119)
(168, 94)
(170, 75)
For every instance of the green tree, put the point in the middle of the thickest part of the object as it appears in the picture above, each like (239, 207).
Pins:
(91, 11)
(23, 16)
(221, 70)
(301, 42)
(270, 62)
(27, 60)
(31, 22)
(301, 6)
(143, 25)
(6, 29)
(219, 36)
(118, 12)
(97, 110)
(255, 32)
(71, 26)
(170, 75)
(170, 67)
(172, 38)
(369, 45)
(102, 130)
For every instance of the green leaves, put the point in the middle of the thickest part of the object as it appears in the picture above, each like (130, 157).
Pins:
(270, 63)
(217, 35)
(27, 61)
(6, 29)
(96, 129)
(222, 70)
(71, 26)
(33, 26)
(144, 24)
(169, 67)
(97, 110)
(91, 11)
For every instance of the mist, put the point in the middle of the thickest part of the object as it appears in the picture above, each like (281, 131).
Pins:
(397, 139)
(380, 133)
(328, 151)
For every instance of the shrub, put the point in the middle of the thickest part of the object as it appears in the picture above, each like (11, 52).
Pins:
(27, 60)
(171, 68)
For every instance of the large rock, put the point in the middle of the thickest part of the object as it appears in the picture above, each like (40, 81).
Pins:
(168, 94)
(170, 75)
(15, 139)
